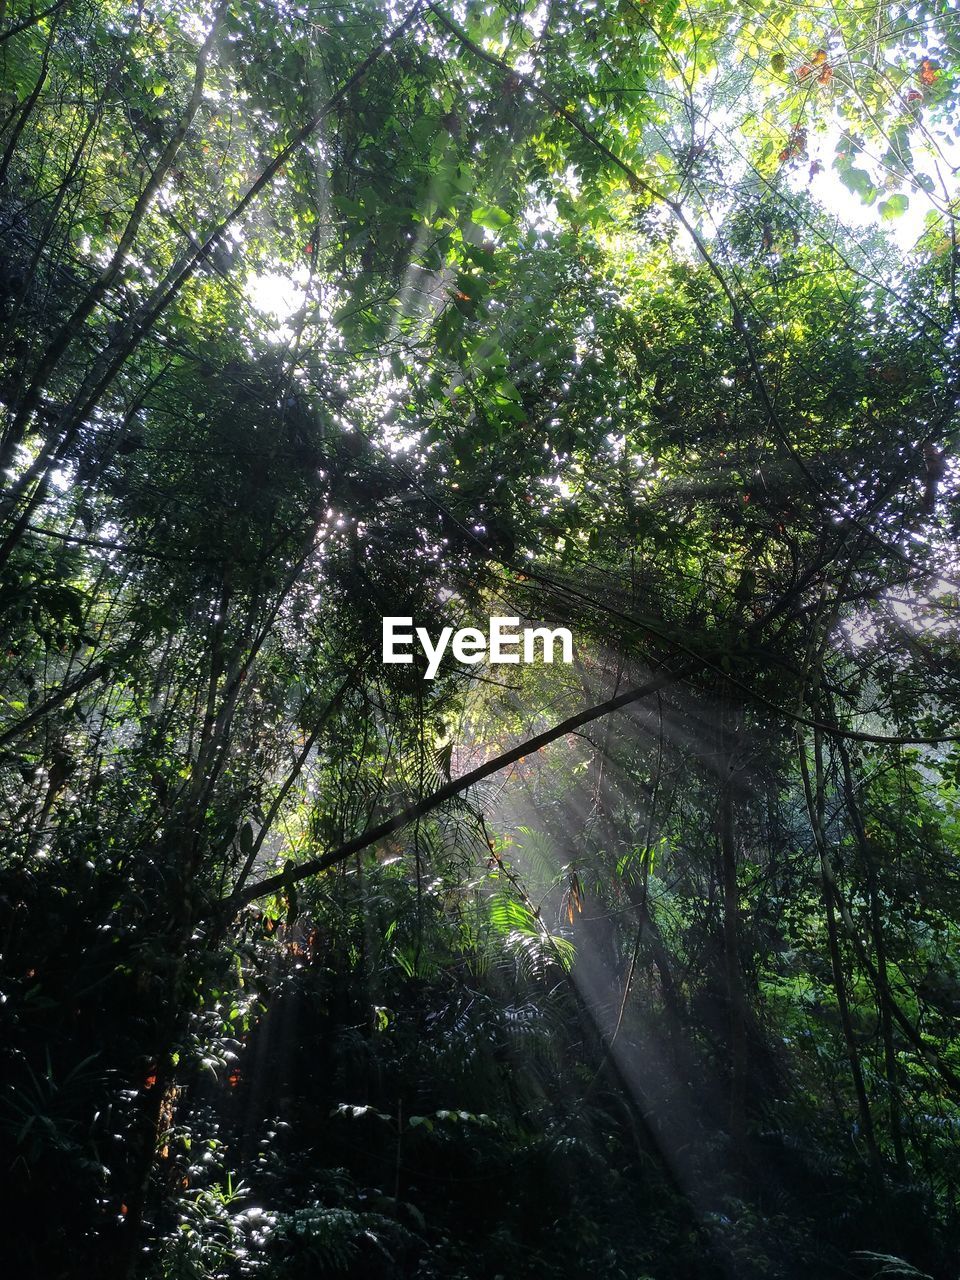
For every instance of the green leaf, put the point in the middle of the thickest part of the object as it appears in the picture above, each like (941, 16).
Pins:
(858, 181)
(894, 207)
(492, 217)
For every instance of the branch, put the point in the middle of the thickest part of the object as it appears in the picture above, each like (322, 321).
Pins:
(66, 691)
(30, 21)
(236, 901)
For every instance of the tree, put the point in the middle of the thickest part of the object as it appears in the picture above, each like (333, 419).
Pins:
(311, 314)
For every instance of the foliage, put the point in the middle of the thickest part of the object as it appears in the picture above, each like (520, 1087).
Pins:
(637, 318)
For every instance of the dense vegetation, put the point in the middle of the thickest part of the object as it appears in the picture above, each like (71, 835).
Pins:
(639, 318)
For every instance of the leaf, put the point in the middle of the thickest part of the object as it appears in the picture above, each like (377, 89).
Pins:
(492, 217)
(507, 915)
(858, 181)
(358, 1112)
(892, 1265)
(564, 951)
(894, 207)
(928, 72)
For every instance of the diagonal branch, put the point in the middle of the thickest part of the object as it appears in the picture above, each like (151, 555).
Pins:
(31, 21)
(273, 884)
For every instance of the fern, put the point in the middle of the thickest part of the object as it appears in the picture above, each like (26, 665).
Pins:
(318, 1240)
(538, 860)
(892, 1266)
(509, 916)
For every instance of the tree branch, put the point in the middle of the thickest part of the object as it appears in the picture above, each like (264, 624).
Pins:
(236, 901)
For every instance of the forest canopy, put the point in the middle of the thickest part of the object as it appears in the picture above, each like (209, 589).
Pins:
(638, 319)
